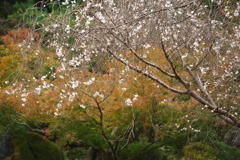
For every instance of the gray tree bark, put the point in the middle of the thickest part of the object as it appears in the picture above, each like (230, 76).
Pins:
(6, 146)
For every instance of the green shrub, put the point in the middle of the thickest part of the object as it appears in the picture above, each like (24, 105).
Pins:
(76, 154)
(33, 146)
(226, 152)
(136, 150)
(198, 151)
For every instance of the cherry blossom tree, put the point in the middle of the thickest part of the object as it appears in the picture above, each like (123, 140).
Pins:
(198, 42)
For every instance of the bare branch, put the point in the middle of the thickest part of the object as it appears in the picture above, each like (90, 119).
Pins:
(26, 125)
(142, 59)
(146, 74)
(173, 67)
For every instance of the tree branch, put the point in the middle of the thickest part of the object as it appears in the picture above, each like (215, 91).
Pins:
(155, 79)
(26, 125)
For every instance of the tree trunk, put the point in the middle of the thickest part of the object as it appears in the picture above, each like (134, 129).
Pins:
(6, 146)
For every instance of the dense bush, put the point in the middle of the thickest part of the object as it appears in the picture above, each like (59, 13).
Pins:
(136, 149)
(32, 146)
(225, 152)
(198, 151)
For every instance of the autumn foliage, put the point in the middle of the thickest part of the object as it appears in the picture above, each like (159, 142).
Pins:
(18, 36)
(146, 83)
(119, 105)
